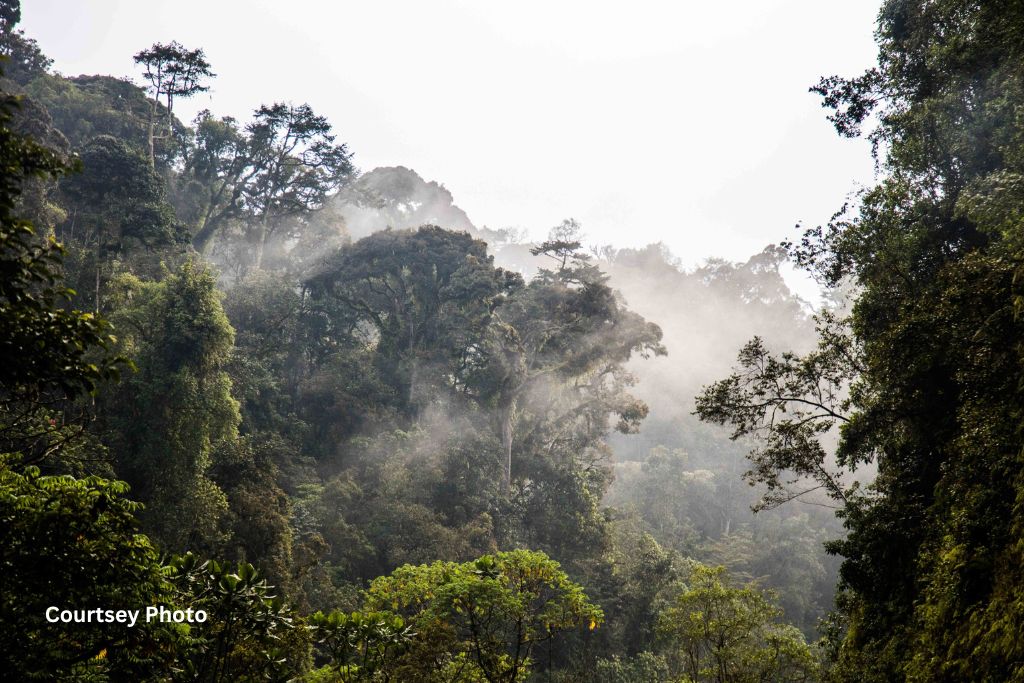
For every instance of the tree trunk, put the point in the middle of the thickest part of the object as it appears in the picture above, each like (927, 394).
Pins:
(203, 238)
(151, 132)
(507, 414)
(261, 242)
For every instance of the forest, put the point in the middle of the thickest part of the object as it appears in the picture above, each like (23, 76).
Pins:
(370, 440)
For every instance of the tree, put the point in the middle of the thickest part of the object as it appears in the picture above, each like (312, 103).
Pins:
(117, 211)
(481, 620)
(428, 295)
(258, 510)
(632, 588)
(73, 544)
(280, 168)
(299, 166)
(217, 168)
(397, 197)
(567, 327)
(644, 667)
(172, 71)
(720, 634)
(10, 15)
(790, 404)
(249, 634)
(363, 646)
(165, 422)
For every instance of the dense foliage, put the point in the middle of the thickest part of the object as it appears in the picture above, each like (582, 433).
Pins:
(923, 378)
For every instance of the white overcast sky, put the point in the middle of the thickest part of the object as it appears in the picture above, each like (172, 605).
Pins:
(683, 122)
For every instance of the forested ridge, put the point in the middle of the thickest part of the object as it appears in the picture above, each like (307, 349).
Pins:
(371, 440)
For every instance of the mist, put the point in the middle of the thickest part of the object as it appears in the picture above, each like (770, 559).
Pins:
(674, 477)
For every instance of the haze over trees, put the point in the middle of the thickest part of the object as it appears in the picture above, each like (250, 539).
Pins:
(377, 442)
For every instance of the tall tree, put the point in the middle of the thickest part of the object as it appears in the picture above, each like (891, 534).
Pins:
(216, 169)
(298, 164)
(429, 294)
(567, 325)
(277, 170)
(165, 422)
(173, 71)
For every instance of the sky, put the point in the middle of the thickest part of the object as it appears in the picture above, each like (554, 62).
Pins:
(688, 123)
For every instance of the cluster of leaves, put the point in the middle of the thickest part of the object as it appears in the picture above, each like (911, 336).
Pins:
(73, 544)
(362, 645)
(249, 633)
